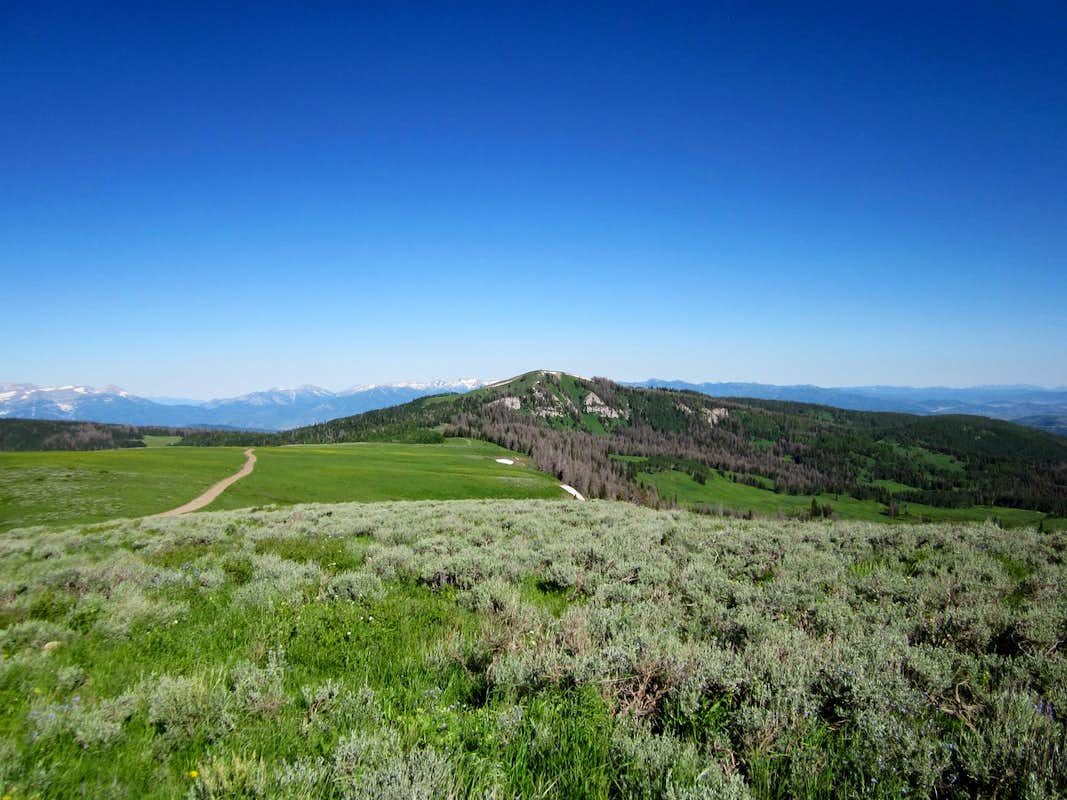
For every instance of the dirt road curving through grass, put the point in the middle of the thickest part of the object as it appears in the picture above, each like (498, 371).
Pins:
(220, 487)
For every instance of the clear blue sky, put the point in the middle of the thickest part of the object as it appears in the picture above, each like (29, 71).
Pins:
(205, 201)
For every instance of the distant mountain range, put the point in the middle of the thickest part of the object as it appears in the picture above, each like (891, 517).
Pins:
(283, 409)
(271, 410)
(1034, 406)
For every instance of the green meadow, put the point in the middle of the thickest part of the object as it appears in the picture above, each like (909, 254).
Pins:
(159, 441)
(65, 488)
(371, 471)
(741, 498)
(58, 487)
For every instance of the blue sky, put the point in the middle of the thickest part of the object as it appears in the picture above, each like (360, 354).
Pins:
(204, 202)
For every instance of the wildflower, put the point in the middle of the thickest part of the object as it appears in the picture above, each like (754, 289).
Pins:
(193, 774)
(38, 690)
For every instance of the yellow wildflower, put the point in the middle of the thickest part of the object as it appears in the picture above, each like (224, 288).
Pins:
(194, 774)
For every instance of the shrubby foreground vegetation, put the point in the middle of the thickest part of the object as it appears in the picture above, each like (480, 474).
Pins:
(530, 649)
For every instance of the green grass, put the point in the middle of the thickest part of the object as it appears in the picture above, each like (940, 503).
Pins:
(60, 487)
(65, 488)
(1008, 517)
(628, 459)
(160, 441)
(762, 480)
(893, 487)
(593, 424)
(942, 462)
(370, 471)
(741, 498)
(529, 649)
(572, 390)
(738, 497)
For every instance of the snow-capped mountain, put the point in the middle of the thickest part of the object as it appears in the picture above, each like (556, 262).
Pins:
(273, 409)
(107, 404)
(462, 385)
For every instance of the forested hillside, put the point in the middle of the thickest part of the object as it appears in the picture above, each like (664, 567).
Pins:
(41, 434)
(601, 437)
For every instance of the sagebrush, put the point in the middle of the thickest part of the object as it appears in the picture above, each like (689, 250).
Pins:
(530, 649)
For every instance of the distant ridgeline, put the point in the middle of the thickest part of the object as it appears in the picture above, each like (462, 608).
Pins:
(41, 434)
(614, 441)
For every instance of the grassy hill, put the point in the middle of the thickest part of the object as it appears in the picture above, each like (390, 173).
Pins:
(613, 441)
(530, 649)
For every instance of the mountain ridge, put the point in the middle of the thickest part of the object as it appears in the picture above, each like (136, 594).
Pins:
(1026, 404)
(271, 409)
(284, 408)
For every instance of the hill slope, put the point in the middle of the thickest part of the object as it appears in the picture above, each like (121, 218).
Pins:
(603, 437)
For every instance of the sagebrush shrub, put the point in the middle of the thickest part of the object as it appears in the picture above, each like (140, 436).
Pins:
(260, 690)
(32, 633)
(376, 767)
(183, 708)
(355, 587)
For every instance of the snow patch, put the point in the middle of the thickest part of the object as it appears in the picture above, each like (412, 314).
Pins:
(572, 491)
(467, 384)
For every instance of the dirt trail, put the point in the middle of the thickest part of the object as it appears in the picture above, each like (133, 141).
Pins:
(215, 490)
